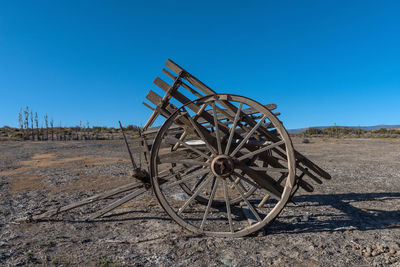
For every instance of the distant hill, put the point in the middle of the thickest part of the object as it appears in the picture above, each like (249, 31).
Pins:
(366, 128)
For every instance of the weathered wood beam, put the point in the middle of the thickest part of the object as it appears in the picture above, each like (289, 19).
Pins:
(89, 200)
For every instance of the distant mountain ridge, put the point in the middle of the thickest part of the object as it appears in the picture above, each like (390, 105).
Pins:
(366, 128)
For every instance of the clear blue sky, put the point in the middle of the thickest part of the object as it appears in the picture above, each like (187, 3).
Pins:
(322, 62)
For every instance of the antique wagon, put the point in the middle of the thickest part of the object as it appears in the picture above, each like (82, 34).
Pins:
(220, 164)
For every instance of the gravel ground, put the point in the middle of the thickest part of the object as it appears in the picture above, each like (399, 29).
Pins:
(351, 220)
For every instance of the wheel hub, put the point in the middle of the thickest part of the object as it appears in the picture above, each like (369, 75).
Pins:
(222, 166)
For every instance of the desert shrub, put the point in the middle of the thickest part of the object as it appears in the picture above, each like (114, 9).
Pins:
(132, 127)
(312, 131)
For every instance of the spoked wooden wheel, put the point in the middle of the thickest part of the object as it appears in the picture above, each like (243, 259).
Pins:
(232, 151)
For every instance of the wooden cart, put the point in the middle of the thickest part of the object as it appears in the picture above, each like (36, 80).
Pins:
(220, 164)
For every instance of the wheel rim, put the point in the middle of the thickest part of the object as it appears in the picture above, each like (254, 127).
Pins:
(239, 159)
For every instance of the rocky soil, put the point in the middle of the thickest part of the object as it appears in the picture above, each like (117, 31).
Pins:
(351, 220)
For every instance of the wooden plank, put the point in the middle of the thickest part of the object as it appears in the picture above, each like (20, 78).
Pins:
(154, 98)
(247, 111)
(161, 83)
(177, 95)
(190, 89)
(156, 129)
(117, 203)
(89, 200)
(148, 106)
(184, 85)
(190, 78)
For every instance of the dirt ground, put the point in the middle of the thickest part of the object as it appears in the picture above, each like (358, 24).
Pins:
(351, 220)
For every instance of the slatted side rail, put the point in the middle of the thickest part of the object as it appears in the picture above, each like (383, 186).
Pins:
(172, 91)
(164, 108)
(205, 117)
(303, 161)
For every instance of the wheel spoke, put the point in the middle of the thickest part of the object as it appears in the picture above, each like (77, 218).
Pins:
(258, 151)
(200, 133)
(172, 172)
(256, 168)
(186, 178)
(200, 111)
(181, 138)
(232, 129)
(217, 133)
(241, 188)
(182, 161)
(228, 205)
(198, 182)
(195, 194)
(214, 189)
(249, 134)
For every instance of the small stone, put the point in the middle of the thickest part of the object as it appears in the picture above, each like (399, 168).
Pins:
(226, 261)
(305, 218)
(180, 196)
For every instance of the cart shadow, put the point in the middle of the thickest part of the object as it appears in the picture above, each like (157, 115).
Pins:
(336, 212)
(312, 214)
